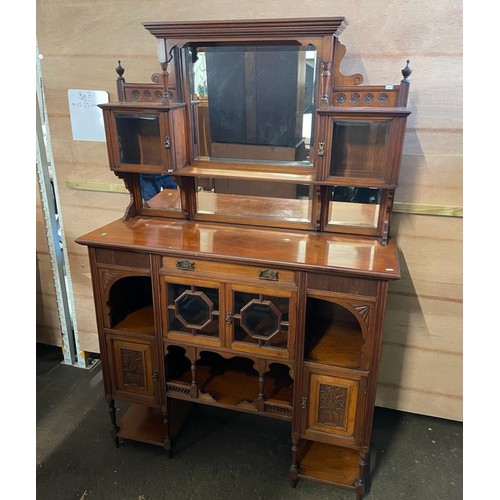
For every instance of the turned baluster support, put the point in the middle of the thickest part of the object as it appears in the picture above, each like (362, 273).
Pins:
(194, 384)
(325, 82)
(260, 366)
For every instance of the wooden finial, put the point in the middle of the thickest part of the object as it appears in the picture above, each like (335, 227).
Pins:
(120, 70)
(406, 72)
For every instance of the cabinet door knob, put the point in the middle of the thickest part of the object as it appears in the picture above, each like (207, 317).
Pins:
(155, 375)
(167, 142)
(321, 148)
(304, 401)
(228, 318)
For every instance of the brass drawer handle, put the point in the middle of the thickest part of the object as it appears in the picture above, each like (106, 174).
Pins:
(268, 274)
(185, 265)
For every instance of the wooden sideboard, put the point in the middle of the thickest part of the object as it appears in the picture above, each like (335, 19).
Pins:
(256, 285)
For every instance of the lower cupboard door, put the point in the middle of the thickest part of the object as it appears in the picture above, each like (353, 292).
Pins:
(133, 368)
(333, 411)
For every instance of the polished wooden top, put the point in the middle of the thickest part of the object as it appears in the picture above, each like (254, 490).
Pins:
(300, 250)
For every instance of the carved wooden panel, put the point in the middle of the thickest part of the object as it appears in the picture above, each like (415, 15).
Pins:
(367, 97)
(133, 367)
(332, 406)
(135, 372)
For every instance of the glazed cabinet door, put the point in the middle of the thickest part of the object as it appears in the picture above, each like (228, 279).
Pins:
(134, 367)
(192, 309)
(145, 139)
(332, 407)
(261, 320)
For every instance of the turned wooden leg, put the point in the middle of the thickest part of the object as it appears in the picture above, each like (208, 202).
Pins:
(167, 442)
(360, 483)
(294, 468)
(112, 415)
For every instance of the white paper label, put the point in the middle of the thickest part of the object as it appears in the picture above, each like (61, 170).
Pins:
(87, 123)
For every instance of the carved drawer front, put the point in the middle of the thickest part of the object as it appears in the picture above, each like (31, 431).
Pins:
(133, 366)
(227, 271)
(334, 408)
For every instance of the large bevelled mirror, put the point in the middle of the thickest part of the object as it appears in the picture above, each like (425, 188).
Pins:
(253, 102)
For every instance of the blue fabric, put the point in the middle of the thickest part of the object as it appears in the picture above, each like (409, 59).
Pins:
(152, 184)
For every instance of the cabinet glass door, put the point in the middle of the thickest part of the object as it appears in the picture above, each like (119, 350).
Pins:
(261, 320)
(139, 138)
(192, 310)
(360, 148)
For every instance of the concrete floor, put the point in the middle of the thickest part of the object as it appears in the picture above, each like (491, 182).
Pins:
(220, 454)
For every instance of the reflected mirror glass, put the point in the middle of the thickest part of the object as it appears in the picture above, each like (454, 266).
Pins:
(253, 103)
(160, 192)
(254, 199)
(354, 206)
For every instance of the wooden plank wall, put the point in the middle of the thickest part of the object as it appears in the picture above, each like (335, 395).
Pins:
(422, 352)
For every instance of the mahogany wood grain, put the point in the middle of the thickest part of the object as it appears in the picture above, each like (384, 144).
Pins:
(145, 423)
(140, 321)
(328, 463)
(320, 252)
(334, 344)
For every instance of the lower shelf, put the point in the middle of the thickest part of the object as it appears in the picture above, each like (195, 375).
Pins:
(145, 423)
(329, 464)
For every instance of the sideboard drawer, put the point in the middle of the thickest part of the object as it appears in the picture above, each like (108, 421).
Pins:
(221, 269)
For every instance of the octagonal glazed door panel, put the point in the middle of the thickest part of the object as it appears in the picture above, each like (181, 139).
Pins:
(261, 320)
(192, 310)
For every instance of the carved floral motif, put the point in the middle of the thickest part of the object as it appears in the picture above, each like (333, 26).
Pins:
(383, 98)
(133, 368)
(332, 403)
(369, 98)
(340, 98)
(355, 98)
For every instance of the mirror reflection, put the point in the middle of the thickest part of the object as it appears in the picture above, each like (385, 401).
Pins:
(354, 206)
(254, 199)
(254, 103)
(159, 192)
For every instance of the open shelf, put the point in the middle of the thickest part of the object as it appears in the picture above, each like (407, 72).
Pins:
(229, 383)
(140, 321)
(300, 175)
(333, 335)
(145, 423)
(329, 463)
(334, 345)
